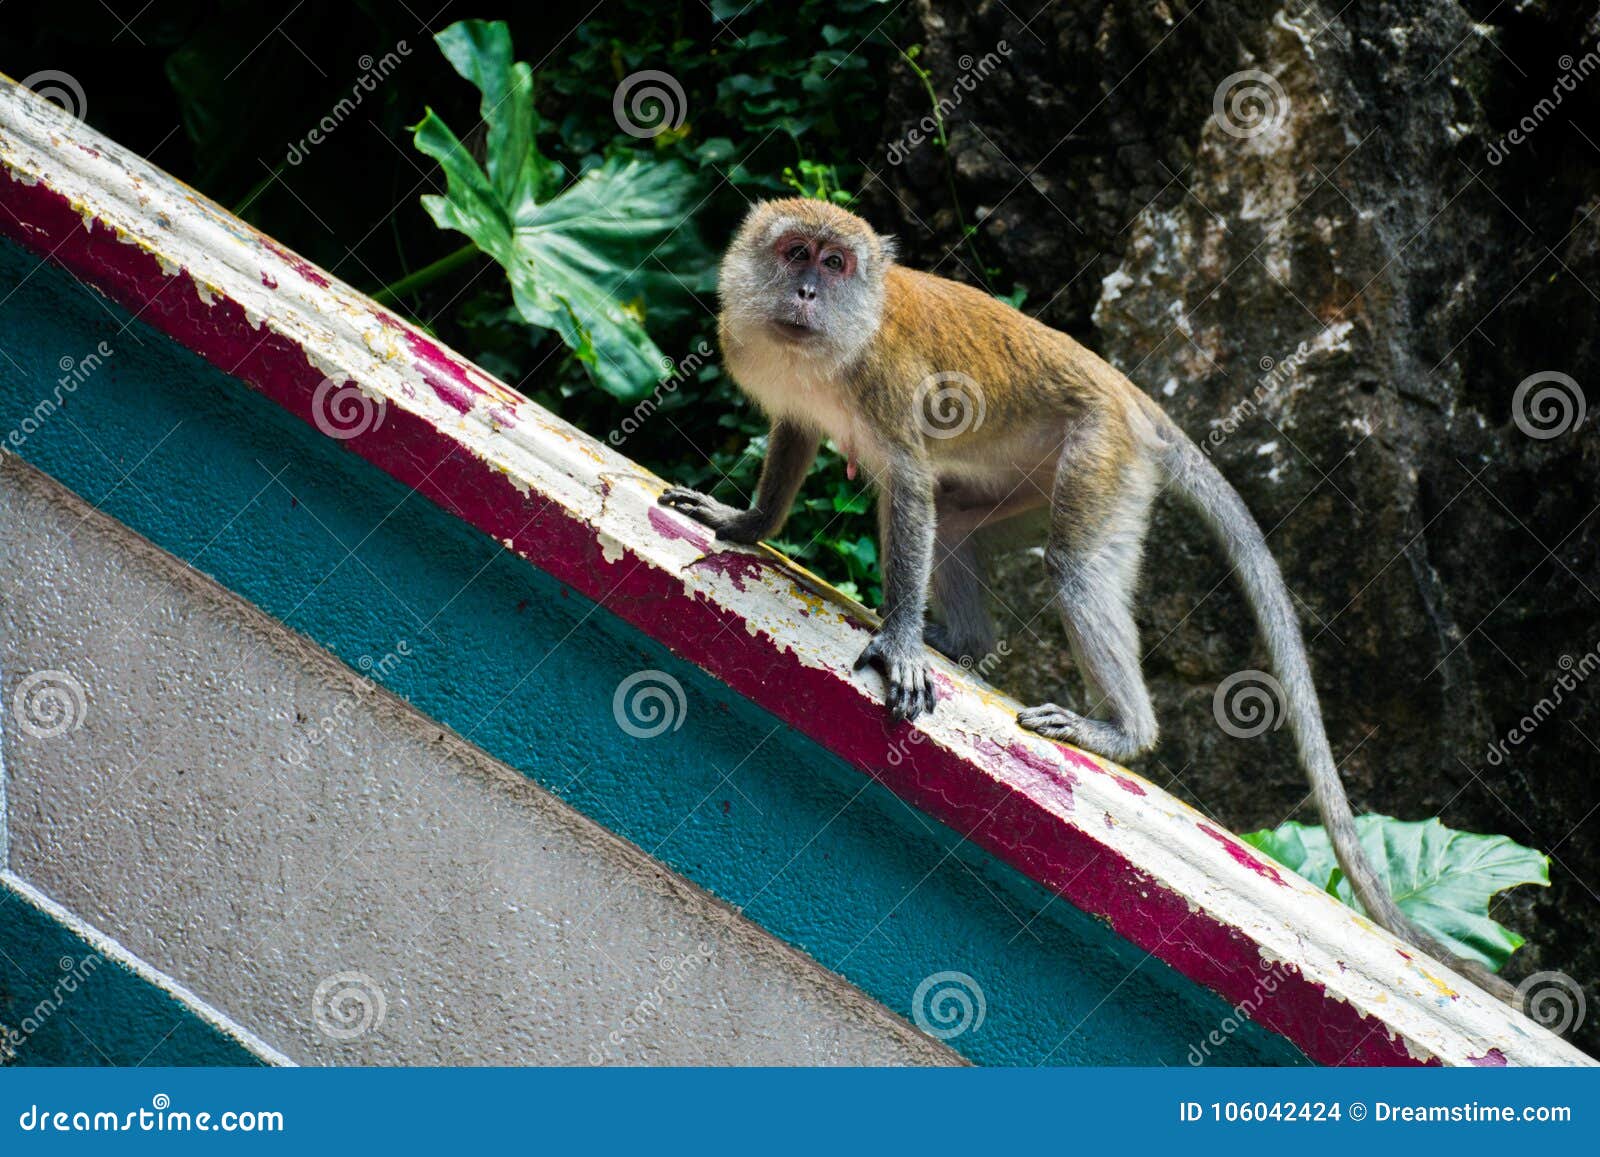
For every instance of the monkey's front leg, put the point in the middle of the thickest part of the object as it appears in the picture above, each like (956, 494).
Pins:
(790, 452)
(896, 650)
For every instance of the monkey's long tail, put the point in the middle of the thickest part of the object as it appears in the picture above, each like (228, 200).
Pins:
(1197, 479)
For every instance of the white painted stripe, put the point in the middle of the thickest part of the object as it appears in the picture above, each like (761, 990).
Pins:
(115, 952)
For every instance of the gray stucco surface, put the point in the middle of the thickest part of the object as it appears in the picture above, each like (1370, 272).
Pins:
(300, 848)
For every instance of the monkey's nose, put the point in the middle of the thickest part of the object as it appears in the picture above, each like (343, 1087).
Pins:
(806, 293)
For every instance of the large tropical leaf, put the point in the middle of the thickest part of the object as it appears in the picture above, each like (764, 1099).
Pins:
(1442, 879)
(591, 261)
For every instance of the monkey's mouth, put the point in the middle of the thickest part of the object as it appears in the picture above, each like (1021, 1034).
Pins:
(793, 330)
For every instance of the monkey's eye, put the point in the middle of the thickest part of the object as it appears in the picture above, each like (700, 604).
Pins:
(834, 262)
(796, 253)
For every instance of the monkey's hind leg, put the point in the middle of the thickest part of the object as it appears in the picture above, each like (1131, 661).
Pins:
(958, 588)
(1095, 575)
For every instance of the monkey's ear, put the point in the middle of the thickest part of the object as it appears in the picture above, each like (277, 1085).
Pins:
(889, 247)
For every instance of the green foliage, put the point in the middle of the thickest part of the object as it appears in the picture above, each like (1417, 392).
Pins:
(1442, 879)
(817, 181)
(590, 261)
(771, 108)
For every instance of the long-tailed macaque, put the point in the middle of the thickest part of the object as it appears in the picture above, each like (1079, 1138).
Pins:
(968, 416)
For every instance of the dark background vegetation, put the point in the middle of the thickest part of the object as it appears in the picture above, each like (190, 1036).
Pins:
(1444, 561)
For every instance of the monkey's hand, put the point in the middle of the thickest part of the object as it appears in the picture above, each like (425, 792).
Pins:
(910, 684)
(746, 526)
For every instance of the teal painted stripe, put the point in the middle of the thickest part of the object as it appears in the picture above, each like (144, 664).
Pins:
(62, 1002)
(526, 669)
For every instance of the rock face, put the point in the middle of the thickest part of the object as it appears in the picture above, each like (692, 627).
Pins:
(1334, 241)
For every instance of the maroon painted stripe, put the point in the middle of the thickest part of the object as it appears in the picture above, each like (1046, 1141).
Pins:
(1019, 826)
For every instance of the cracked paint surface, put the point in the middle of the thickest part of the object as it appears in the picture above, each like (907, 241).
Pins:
(1107, 841)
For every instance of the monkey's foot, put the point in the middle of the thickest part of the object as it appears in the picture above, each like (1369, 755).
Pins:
(731, 525)
(909, 690)
(1098, 736)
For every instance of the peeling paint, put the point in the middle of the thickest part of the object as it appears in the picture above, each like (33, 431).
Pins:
(679, 528)
(739, 568)
(610, 549)
(1242, 855)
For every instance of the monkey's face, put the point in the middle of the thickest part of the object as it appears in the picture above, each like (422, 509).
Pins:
(804, 277)
(814, 276)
